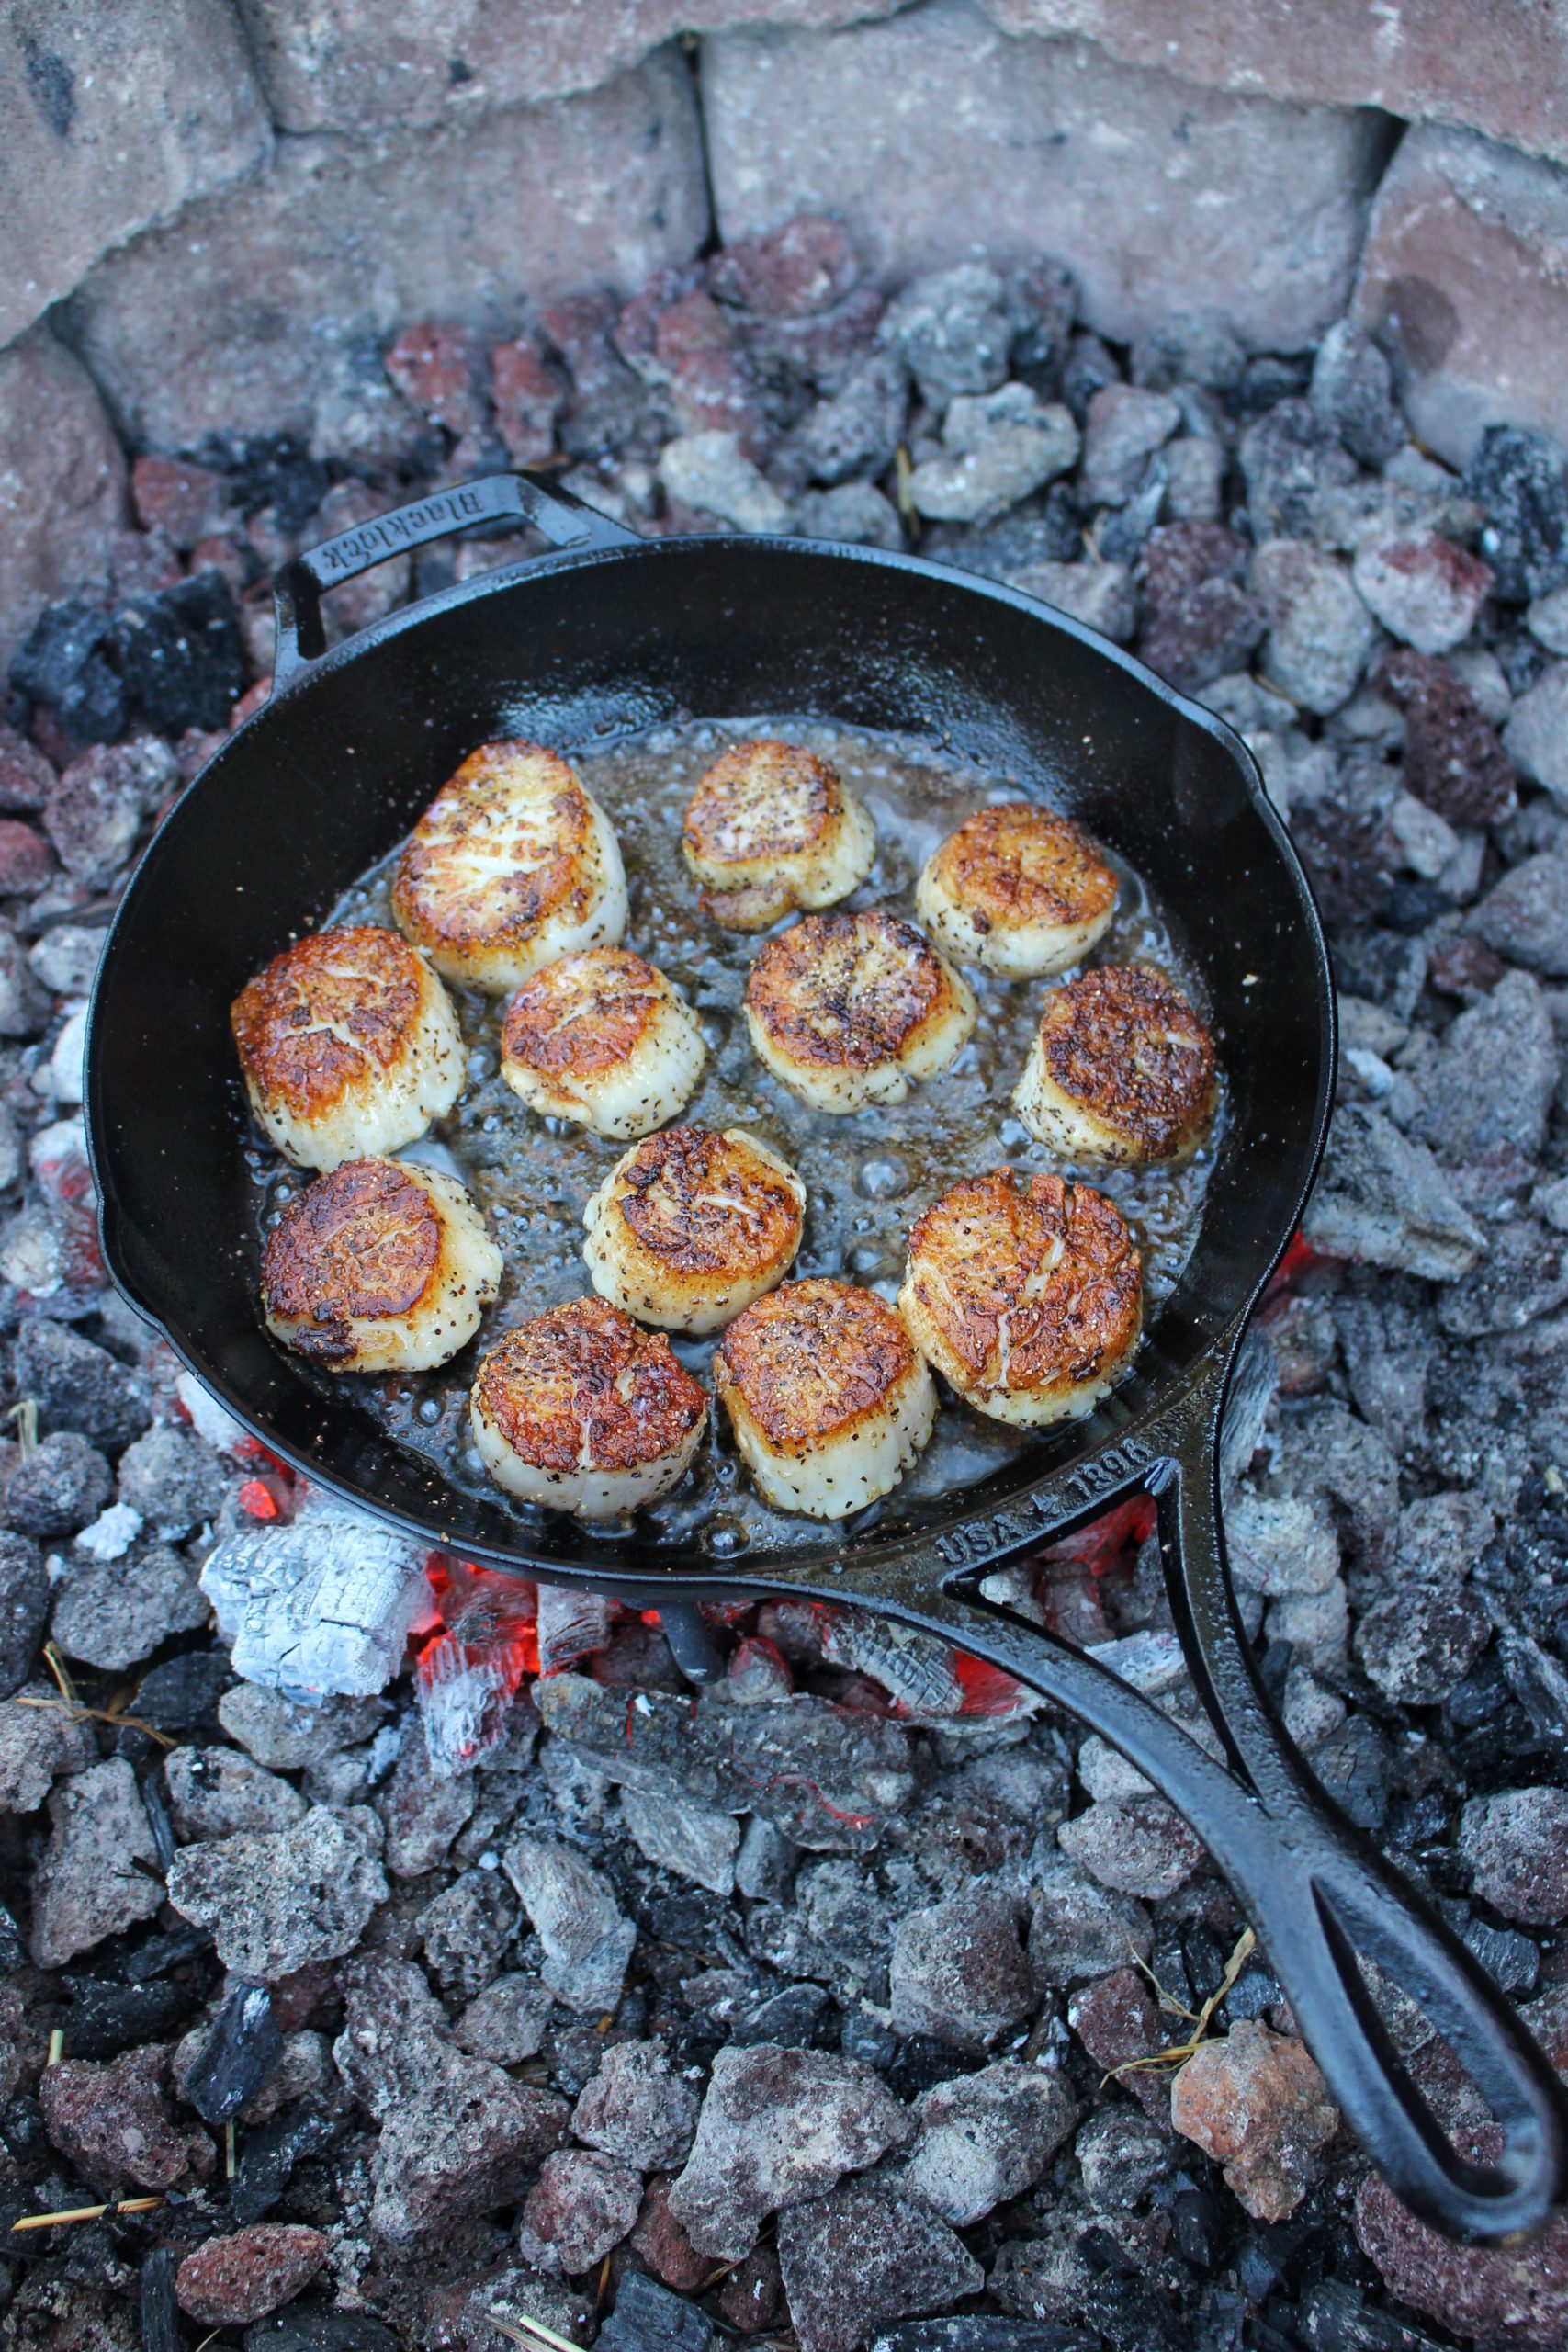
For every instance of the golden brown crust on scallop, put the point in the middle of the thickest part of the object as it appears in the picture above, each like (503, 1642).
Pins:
(846, 990)
(582, 1013)
(326, 1014)
(459, 912)
(762, 798)
(1125, 1044)
(358, 1245)
(1020, 863)
(583, 1380)
(812, 1359)
(702, 1202)
(1026, 1285)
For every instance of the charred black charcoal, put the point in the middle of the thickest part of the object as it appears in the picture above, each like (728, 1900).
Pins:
(64, 663)
(271, 469)
(242, 2047)
(106, 2018)
(181, 655)
(317, 2327)
(648, 2318)
(183, 1693)
(157, 2310)
(268, 2155)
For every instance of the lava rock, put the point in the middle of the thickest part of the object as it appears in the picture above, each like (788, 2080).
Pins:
(232, 2279)
(79, 1386)
(1352, 390)
(580, 2207)
(806, 265)
(1121, 2154)
(1256, 2104)
(423, 1814)
(954, 331)
(859, 2258)
(37, 1744)
(636, 2109)
(1514, 2295)
(440, 370)
(1484, 1093)
(61, 1484)
(220, 1792)
(1383, 1200)
(181, 654)
(983, 2139)
(1079, 1929)
(1519, 480)
(958, 1971)
(113, 2123)
(1525, 917)
(1288, 458)
(1122, 428)
(464, 2143)
(574, 1913)
(100, 1870)
(1424, 590)
(64, 665)
(858, 429)
(23, 1609)
(1534, 736)
(778, 2126)
(465, 1931)
(1116, 2020)
(1141, 1846)
(113, 1613)
(184, 500)
(856, 513)
(1200, 620)
(1321, 636)
(1453, 759)
(276, 1902)
(997, 447)
(97, 809)
(1421, 1641)
(708, 472)
(1516, 1846)
(507, 2021)
(394, 2036)
(660, 2242)
(174, 1480)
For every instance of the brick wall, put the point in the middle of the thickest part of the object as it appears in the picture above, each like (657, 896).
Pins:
(217, 211)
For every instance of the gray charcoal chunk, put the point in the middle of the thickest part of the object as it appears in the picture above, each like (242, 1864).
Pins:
(465, 2142)
(695, 1841)
(174, 1480)
(222, 1792)
(77, 1385)
(60, 1486)
(114, 1613)
(637, 2108)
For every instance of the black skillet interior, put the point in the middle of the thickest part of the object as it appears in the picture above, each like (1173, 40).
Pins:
(327, 779)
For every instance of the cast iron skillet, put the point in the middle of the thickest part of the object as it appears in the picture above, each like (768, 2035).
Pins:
(611, 634)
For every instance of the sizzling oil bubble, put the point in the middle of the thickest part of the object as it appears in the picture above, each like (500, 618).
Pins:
(868, 1176)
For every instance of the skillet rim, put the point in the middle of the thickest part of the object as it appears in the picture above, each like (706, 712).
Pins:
(1182, 1395)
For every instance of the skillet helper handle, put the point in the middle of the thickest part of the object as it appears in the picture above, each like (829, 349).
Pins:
(1317, 1894)
(300, 586)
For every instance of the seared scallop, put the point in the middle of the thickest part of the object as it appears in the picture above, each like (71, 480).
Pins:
(511, 864)
(602, 1038)
(690, 1226)
(847, 1009)
(1027, 1298)
(581, 1411)
(773, 829)
(380, 1266)
(1018, 890)
(349, 1045)
(827, 1396)
(1122, 1071)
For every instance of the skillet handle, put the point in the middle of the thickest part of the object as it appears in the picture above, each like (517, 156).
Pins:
(300, 586)
(1317, 1892)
